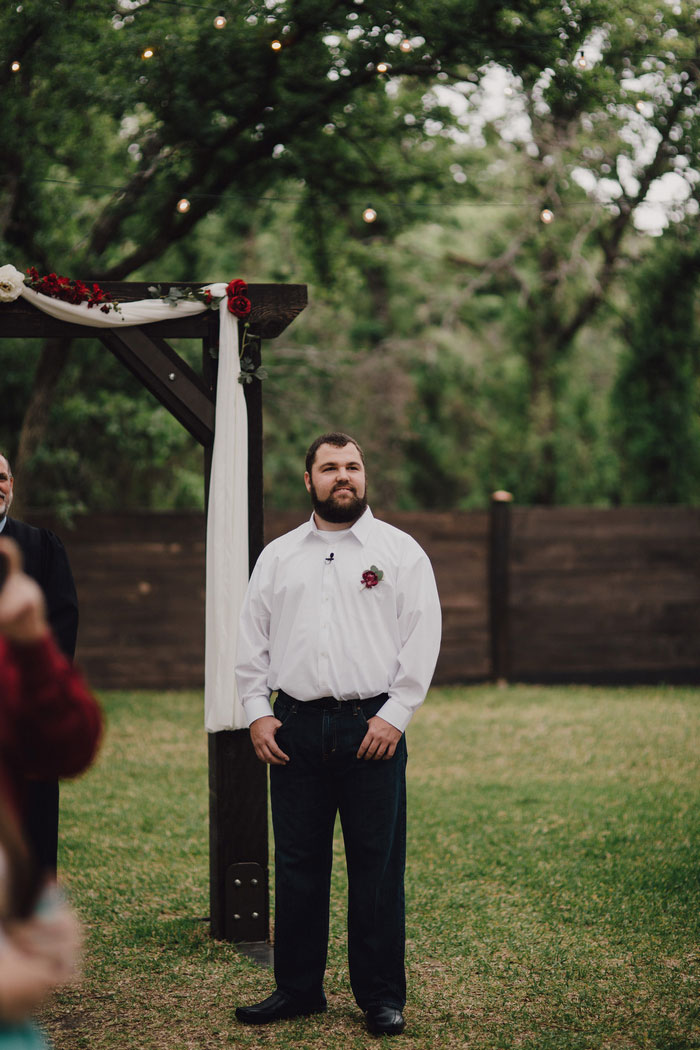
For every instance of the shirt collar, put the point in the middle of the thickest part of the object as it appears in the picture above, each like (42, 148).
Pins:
(360, 530)
(3, 523)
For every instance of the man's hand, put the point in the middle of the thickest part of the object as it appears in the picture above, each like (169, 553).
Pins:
(22, 606)
(380, 740)
(262, 733)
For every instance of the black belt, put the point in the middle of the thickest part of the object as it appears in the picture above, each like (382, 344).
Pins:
(328, 703)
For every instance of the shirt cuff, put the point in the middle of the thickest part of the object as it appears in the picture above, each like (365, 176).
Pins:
(257, 707)
(395, 714)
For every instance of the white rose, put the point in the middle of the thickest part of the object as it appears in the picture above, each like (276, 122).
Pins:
(11, 281)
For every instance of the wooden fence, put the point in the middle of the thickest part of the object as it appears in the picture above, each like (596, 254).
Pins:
(528, 593)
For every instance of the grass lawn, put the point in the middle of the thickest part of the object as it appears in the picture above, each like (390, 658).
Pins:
(553, 881)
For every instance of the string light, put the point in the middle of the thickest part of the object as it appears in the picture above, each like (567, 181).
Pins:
(147, 52)
(406, 46)
(581, 61)
(220, 20)
(382, 67)
(276, 45)
(369, 215)
(15, 67)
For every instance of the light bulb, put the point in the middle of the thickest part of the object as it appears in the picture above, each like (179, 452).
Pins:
(406, 46)
(581, 61)
(382, 67)
(15, 67)
(276, 45)
(220, 20)
(147, 52)
(183, 205)
(547, 216)
(369, 215)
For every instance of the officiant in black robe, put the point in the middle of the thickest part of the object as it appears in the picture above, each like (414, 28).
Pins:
(46, 561)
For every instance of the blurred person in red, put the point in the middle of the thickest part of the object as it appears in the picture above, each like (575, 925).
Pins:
(50, 722)
(50, 725)
(44, 558)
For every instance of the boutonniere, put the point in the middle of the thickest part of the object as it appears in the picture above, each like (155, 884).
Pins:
(371, 576)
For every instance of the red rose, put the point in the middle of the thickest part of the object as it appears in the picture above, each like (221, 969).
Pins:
(239, 305)
(236, 288)
(369, 578)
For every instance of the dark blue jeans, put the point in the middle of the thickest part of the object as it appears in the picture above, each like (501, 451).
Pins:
(322, 778)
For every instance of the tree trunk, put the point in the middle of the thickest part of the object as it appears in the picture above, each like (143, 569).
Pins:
(52, 362)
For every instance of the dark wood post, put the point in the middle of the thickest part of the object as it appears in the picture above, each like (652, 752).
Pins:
(237, 781)
(238, 833)
(499, 580)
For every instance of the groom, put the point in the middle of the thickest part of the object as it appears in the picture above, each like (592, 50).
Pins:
(342, 621)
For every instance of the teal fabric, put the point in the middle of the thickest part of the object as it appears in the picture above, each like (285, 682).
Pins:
(24, 1036)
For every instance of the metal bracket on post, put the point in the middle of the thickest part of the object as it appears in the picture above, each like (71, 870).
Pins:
(247, 918)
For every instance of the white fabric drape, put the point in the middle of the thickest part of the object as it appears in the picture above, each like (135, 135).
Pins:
(227, 519)
(227, 538)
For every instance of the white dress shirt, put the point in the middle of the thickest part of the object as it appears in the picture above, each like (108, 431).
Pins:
(310, 627)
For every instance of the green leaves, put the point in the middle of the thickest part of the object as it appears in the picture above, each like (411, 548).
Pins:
(176, 295)
(249, 371)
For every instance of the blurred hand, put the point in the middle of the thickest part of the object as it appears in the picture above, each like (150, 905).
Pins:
(22, 606)
(37, 956)
(56, 938)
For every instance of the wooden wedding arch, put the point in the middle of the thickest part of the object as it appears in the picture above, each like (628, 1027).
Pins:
(238, 829)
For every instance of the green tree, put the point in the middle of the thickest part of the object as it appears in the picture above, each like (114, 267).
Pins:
(100, 144)
(657, 395)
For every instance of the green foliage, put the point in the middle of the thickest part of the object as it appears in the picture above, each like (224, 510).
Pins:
(656, 399)
(459, 335)
(139, 455)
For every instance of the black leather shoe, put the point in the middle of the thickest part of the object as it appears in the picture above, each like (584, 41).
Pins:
(278, 1007)
(385, 1020)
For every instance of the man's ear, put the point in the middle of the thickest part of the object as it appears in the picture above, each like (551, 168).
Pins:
(307, 480)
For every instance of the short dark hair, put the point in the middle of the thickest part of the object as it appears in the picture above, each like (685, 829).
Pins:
(337, 440)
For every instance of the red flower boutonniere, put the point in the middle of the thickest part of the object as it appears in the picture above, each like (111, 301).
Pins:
(371, 576)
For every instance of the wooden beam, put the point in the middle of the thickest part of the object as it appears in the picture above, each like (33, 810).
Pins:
(166, 375)
(273, 308)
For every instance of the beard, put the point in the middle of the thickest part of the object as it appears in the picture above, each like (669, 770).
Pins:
(339, 512)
